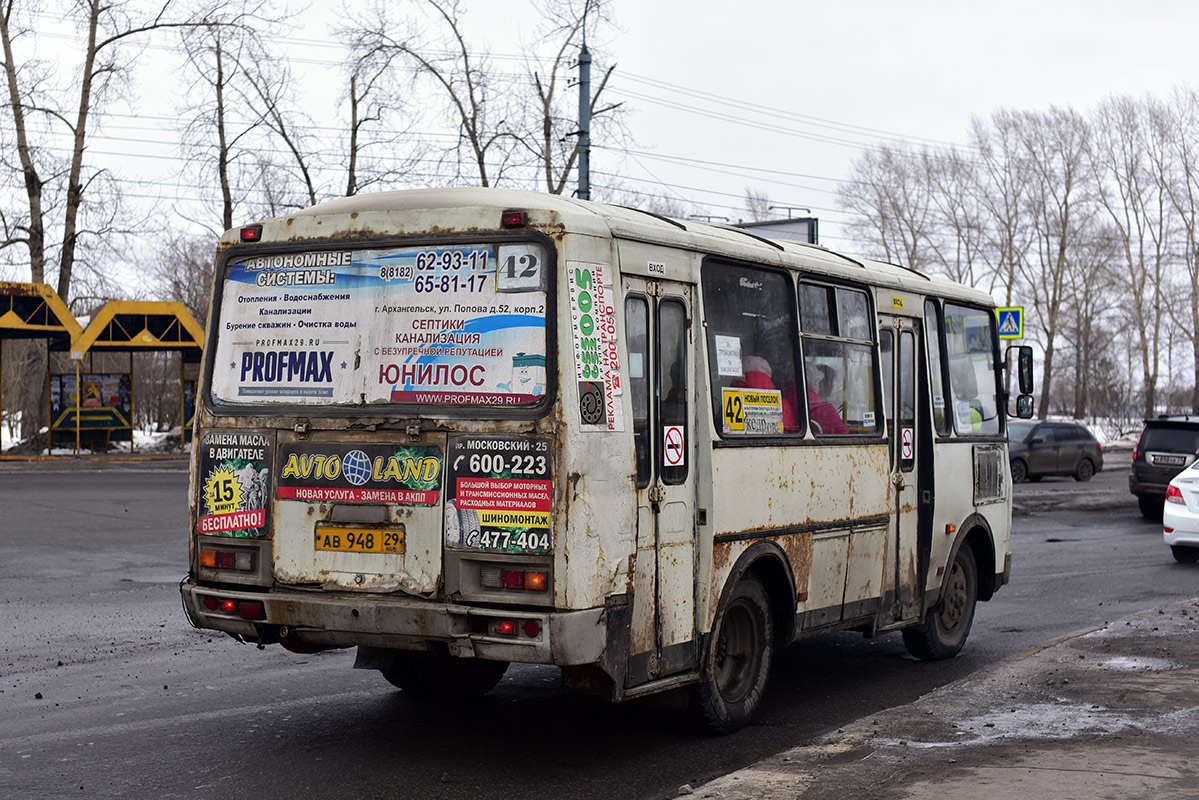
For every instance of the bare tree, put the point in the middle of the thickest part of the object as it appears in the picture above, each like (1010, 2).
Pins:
(757, 204)
(549, 135)
(109, 29)
(60, 191)
(889, 194)
(1180, 123)
(1004, 176)
(1058, 144)
(958, 215)
(218, 136)
(461, 75)
(1136, 203)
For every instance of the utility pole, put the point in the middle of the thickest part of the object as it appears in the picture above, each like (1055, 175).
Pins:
(584, 119)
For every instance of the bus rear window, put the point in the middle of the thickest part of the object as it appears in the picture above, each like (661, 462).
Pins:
(449, 325)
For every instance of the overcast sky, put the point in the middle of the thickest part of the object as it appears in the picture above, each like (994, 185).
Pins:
(779, 97)
(870, 71)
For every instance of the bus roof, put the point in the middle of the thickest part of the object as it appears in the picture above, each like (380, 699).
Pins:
(416, 211)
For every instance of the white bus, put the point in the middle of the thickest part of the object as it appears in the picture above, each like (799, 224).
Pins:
(466, 427)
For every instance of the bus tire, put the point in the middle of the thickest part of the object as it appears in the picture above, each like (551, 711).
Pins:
(736, 664)
(441, 675)
(945, 630)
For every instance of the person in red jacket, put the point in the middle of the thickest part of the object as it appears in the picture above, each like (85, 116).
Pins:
(823, 414)
(758, 375)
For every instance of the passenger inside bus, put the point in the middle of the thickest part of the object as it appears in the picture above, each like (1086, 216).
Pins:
(823, 414)
(758, 374)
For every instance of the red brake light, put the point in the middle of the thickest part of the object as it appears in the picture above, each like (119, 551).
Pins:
(1173, 495)
(505, 627)
(513, 219)
(514, 579)
(251, 609)
(251, 233)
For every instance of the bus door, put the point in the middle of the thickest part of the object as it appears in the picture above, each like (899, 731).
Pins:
(899, 340)
(661, 346)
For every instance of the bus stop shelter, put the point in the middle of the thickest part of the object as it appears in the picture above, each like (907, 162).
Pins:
(129, 326)
(35, 311)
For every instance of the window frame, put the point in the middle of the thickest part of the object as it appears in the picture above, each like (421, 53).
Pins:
(872, 346)
(713, 328)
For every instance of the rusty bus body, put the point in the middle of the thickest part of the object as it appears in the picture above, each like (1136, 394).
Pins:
(461, 428)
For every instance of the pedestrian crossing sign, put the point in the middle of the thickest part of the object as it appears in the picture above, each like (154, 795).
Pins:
(1011, 322)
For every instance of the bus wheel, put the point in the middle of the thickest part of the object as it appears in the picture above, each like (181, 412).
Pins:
(442, 675)
(737, 662)
(944, 632)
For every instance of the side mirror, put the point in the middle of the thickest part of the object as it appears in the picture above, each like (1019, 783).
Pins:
(1024, 369)
(1024, 406)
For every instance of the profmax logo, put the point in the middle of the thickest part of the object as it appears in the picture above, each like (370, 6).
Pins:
(287, 366)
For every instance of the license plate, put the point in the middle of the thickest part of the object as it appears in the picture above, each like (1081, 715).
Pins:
(360, 540)
(1169, 461)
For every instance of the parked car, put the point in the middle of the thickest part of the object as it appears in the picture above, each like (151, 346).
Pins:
(1168, 445)
(1180, 517)
(1038, 449)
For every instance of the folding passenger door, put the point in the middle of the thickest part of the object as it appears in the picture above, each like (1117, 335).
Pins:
(900, 340)
(661, 352)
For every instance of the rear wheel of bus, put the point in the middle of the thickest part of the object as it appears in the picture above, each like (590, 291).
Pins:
(944, 632)
(737, 662)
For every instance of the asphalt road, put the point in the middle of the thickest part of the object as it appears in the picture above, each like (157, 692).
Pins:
(106, 692)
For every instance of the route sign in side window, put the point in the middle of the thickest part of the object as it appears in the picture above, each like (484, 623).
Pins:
(752, 350)
(438, 325)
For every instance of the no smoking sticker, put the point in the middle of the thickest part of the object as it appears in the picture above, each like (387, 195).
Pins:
(673, 449)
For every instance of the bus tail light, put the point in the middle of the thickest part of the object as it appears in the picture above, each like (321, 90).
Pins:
(530, 580)
(504, 627)
(251, 233)
(246, 609)
(242, 560)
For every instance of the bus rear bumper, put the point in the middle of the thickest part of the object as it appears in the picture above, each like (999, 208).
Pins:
(301, 619)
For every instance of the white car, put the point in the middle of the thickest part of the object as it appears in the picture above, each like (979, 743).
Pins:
(1180, 516)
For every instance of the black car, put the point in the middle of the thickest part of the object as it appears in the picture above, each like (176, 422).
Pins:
(1038, 449)
(1167, 446)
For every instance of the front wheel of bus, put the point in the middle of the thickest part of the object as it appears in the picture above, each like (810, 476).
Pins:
(442, 675)
(944, 632)
(737, 662)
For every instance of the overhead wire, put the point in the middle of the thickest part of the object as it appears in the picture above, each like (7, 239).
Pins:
(639, 88)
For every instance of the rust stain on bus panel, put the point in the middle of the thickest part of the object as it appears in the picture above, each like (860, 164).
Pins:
(798, 548)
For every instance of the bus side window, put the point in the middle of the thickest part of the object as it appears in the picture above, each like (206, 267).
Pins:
(636, 323)
(837, 336)
(886, 348)
(752, 350)
(973, 380)
(672, 383)
(934, 341)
